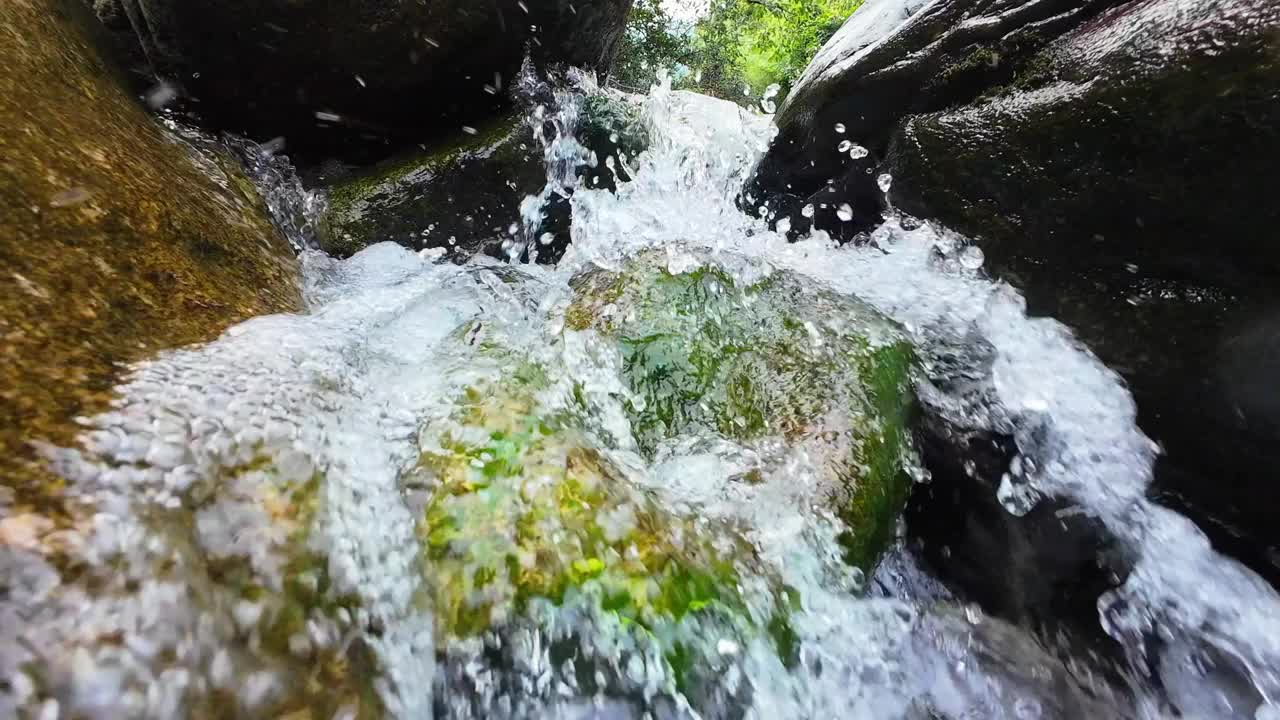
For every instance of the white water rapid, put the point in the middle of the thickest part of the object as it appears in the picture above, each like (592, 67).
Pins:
(190, 490)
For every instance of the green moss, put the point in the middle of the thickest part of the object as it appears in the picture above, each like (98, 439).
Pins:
(459, 188)
(774, 359)
(526, 510)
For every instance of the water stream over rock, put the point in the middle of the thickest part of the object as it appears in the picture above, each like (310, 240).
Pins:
(272, 523)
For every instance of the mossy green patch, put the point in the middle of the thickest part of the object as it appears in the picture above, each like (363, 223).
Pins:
(527, 509)
(704, 354)
(467, 187)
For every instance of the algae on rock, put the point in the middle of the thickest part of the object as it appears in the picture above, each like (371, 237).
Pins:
(525, 509)
(461, 195)
(116, 243)
(705, 354)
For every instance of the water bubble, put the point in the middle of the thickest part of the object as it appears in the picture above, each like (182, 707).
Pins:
(547, 238)
(844, 212)
(807, 211)
(858, 152)
(884, 181)
(160, 95)
(784, 226)
(845, 146)
(840, 128)
(972, 257)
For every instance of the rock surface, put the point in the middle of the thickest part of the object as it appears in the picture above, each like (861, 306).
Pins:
(117, 239)
(325, 73)
(771, 360)
(466, 193)
(1113, 161)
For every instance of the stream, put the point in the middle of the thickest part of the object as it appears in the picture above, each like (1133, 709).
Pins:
(284, 461)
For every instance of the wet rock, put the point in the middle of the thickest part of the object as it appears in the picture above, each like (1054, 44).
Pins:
(890, 60)
(705, 353)
(1113, 162)
(461, 195)
(117, 239)
(1042, 569)
(327, 73)
(1143, 135)
(466, 194)
(1181, 344)
(533, 532)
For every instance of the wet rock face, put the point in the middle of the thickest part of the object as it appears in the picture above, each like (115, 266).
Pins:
(368, 67)
(891, 60)
(1113, 160)
(465, 193)
(117, 239)
(704, 354)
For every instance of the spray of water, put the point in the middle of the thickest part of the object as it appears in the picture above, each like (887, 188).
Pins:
(244, 534)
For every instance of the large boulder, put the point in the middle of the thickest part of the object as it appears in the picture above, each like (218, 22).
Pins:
(704, 354)
(1112, 160)
(117, 239)
(892, 58)
(320, 73)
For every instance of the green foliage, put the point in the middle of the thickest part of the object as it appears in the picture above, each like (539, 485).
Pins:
(736, 50)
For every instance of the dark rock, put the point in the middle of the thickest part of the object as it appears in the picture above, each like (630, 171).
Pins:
(464, 194)
(324, 73)
(1044, 569)
(946, 54)
(461, 195)
(1201, 362)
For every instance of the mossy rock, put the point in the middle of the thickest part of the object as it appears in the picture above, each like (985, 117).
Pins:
(117, 239)
(372, 69)
(705, 354)
(283, 576)
(526, 510)
(465, 192)
(461, 194)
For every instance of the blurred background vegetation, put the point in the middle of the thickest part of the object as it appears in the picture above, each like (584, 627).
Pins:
(732, 49)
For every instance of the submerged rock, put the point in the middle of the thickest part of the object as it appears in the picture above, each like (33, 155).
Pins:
(703, 353)
(323, 73)
(117, 239)
(528, 521)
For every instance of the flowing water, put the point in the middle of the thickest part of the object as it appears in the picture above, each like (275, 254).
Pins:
(244, 536)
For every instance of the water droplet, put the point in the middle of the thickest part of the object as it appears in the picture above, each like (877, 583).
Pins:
(807, 211)
(328, 116)
(857, 152)
(547, 238)
(784, 226)
(844, 146)
(468, 130)
(844, 212)
(972, 257)
(70, 198)
(840, 128)
(884, 181)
